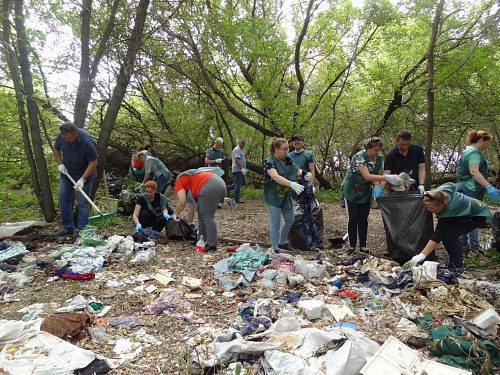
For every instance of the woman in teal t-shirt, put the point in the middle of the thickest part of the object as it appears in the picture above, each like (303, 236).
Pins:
(279, 173)
(472, 172)
(357, 190)
(457, 214)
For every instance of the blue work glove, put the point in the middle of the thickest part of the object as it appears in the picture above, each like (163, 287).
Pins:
(394, 179)
(166, 216)
(378, 191)
(492, 192)
(138, 227)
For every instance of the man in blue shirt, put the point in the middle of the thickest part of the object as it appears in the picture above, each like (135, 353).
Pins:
(303, 158)
(407, 158)
(239, 168)
(76, 154)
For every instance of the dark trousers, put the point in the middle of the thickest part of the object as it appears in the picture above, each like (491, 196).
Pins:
(449, 232)
(357, 216)
(148, 220)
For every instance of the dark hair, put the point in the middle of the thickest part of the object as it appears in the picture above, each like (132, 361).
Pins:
(276, 142)
(372, 142)
(68, 127)
(146, 146)
(405, 135)
(476, 135)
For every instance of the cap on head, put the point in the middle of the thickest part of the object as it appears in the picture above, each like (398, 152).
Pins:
(298, 136)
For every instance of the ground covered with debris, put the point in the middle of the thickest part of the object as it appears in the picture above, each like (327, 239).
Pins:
(150, 309)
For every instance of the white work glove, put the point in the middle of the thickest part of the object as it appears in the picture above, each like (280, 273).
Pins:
(62, 168)
(394, 179)
(296, 187)
(314, 189)
(79, 184)
(218, 161)
(417, 259)
(176, 217)
(308, 176)
(421, 189)
(244, 171)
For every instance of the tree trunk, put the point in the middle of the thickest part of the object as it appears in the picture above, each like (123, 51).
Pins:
(88, 71)
(34, 146)
(430, 93)
(119, 91)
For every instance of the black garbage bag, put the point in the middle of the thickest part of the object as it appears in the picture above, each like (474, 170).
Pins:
(126, 201)
(180, 230)
(408, 225)
(495, 224)
(115, 184)
(297, 238)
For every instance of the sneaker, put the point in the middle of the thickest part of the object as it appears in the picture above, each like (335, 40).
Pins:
(239, 202)
(62, 232)
(364, 251)
(285, 247)
(350, 251)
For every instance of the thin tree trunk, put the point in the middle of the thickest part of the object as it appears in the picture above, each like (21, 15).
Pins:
(120, 89)
(430, 93)
(34, 146)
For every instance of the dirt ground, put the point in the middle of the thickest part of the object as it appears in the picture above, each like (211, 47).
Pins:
(248, 222)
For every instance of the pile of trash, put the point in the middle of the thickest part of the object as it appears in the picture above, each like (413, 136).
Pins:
(248, 311)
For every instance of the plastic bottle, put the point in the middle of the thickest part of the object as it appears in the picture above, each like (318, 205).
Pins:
(199, 251)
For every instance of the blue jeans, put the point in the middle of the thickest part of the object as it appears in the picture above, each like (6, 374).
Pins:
(274, 230)
(239, 182)
(473, 235)
(161, 184)
(66, 190)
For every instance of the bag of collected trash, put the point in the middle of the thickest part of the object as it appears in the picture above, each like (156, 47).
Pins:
(495, 224)
(408, 225)
(180, 230)
(115, 184)
(127, 201)
(297, 236)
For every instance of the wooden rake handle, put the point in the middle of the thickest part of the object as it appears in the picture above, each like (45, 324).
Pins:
(83, 193)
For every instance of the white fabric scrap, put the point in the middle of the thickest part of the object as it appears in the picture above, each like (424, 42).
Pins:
(39, 352)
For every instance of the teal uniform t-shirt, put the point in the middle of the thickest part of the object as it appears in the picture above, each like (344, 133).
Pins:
(302, 159)
(471, 155)
(459, 205)
(354, 187)
(275, 194)
(213, 154)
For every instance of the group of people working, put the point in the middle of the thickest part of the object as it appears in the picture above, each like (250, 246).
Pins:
(458, 207)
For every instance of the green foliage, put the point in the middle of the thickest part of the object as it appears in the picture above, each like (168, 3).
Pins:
(328, 195)
(19, 205)
(251, 192)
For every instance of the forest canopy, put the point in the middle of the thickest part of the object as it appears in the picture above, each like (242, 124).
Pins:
(178, 74)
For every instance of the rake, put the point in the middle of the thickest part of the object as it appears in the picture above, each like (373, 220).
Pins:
(92, 219)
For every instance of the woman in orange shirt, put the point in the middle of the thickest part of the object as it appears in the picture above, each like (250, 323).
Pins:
(205, 190)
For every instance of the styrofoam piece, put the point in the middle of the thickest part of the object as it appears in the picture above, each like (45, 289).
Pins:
(435, 368)
(312, 307)
(486, 319)
(395, 358)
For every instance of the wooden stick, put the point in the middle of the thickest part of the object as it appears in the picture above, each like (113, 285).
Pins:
(106, 189)
(83, 193)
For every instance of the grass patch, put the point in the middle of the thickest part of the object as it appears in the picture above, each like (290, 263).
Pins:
(330, 195)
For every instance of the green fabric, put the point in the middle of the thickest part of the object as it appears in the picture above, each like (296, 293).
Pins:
(96, 306)
(163, 170)
(471, 155)
(157, 211)
(90, 237)
(454, 351)
(279, 195)
(460, 205)
(215, 170)
(354, 187)
(302, 159)
(214, 154)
